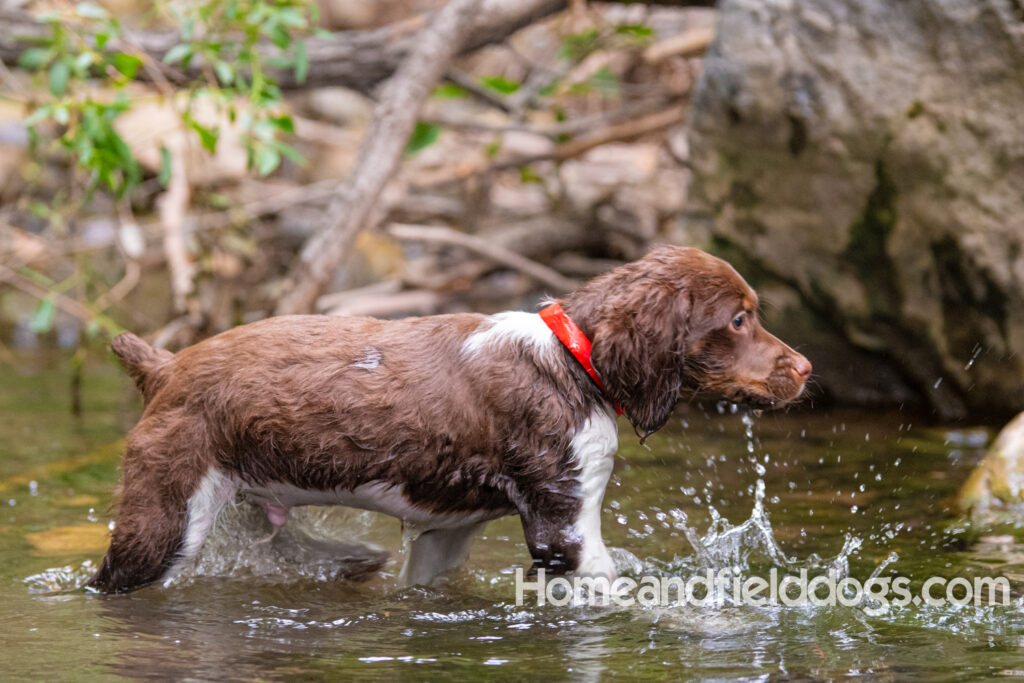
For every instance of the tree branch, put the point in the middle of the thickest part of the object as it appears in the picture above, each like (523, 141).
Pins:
(393, 123)
(355, 59)
(506, 257)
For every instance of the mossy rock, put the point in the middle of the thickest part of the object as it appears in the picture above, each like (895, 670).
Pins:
(998, 480)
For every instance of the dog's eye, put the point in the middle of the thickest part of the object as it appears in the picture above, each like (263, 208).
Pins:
(737, 322)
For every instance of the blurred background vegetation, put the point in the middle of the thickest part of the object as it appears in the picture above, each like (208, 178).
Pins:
(177, 168)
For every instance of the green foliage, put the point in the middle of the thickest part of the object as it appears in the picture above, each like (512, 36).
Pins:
(449, 91)
(605, 82)
(423, 136)
(577, 46)
(42, 320)
(635, 34)
(222, 40)
(528, 175)
(500, 84)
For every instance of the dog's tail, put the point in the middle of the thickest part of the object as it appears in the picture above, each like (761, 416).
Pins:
(143, 362)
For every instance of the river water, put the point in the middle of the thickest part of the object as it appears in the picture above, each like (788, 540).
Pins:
(717, 488)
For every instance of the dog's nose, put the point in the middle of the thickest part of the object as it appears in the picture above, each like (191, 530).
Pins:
(802, 367)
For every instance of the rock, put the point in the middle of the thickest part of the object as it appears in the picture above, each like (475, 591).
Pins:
(870, 154)
(341, 106)
(999, 477)
(599, 173)
(150, 126)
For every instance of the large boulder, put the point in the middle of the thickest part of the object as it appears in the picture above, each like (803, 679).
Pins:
(869, 154)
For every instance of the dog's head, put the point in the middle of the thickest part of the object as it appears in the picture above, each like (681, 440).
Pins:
(681, 320)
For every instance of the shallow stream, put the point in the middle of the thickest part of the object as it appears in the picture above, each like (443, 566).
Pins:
(849, 488)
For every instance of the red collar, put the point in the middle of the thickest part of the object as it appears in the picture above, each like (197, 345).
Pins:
(573, 338)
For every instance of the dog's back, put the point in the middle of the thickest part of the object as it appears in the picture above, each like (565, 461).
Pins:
(428, 419)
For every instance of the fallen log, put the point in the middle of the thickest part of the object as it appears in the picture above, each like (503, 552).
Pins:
(359, 59)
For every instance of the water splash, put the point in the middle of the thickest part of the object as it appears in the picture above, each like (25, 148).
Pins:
(320, 543)
(725, 546)
(60, 579)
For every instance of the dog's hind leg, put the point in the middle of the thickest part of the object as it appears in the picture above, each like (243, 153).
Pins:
(437, 551)
(162, 519)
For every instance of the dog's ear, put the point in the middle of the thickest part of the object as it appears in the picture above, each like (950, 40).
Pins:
(638, 346)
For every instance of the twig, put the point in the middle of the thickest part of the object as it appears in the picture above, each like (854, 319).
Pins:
(132, 269)
(506, 257)
(686, 44)
(574, 148)
(394, 120)
(573, 126)
(172, 206)
(466, 82)
(66, 304)
(613, 133)
(415, 301)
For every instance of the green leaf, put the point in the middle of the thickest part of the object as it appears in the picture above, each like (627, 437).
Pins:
(449, 91)
(528, 175)
(37, 116)
(90, 11)
(638, 34)
(494, 146)
(500, 84)
(59, 73)
(280, 37)
(42, 319)
(177, 53)
(290, 153)
(224, 72)
(283, 123)
(127, 65)
(40, 210)
(301, 62)
(605, 82)
(292, 18)
(83, 60)
(549, 89)
(207, 136)
(61, 115)
(267, 159)
(165, 166)
(34, 58)
(423, 136)
(576, 46)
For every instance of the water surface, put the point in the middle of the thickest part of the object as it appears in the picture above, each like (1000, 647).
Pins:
(887, 480)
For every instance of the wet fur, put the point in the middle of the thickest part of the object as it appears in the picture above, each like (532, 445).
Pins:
(466, 417)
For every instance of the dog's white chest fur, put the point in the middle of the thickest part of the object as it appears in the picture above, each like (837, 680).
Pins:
(593, 449)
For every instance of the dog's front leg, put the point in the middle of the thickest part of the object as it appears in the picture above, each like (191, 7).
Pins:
(566, 539)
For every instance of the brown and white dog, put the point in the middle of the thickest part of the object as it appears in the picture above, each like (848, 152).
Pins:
(446, 422)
